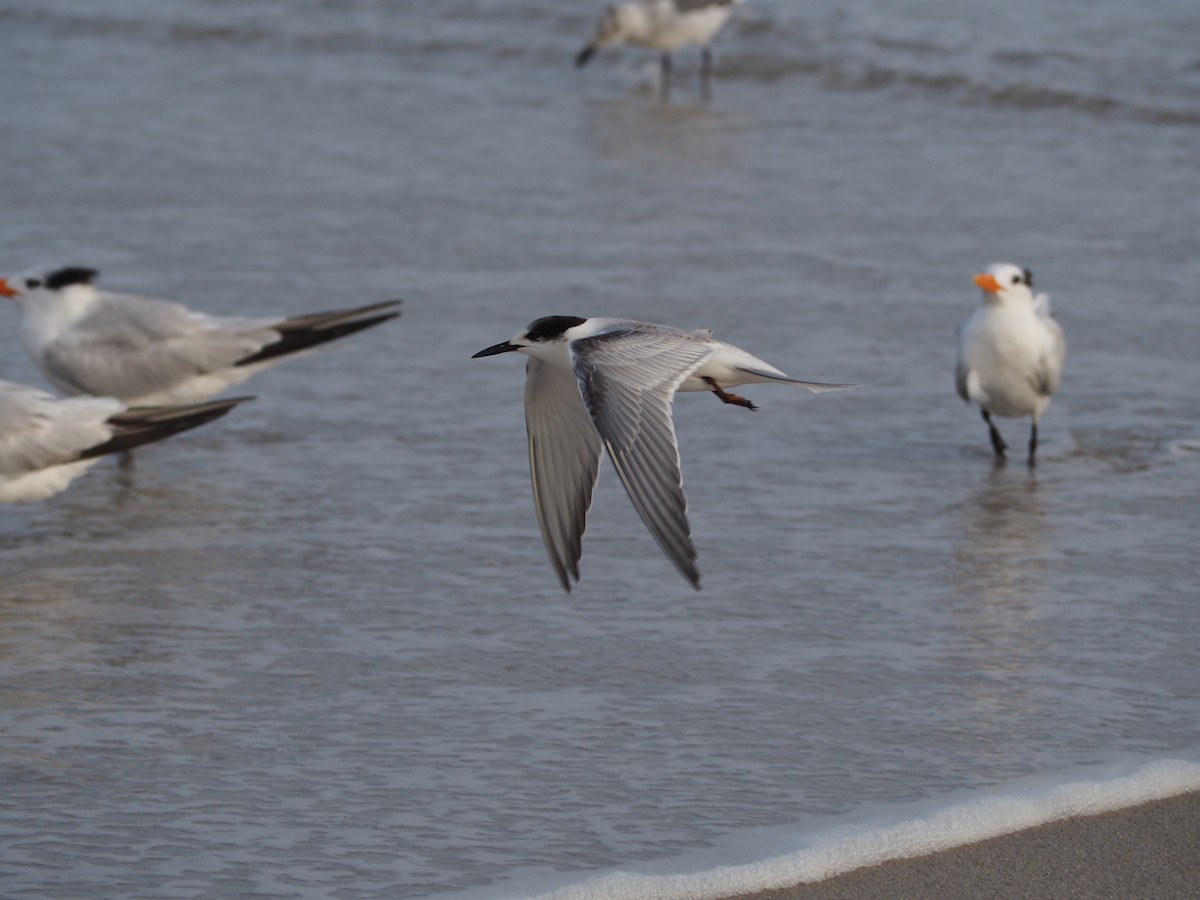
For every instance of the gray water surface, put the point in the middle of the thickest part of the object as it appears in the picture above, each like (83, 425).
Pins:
(317, 650)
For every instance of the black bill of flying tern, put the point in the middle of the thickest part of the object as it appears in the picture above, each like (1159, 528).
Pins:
(150, 352)
(1010, 353)
(47, 442)
(594, 384)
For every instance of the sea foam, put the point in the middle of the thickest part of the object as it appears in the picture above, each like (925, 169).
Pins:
(908, 831)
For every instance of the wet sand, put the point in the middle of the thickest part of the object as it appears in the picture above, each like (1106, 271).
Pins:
(1145, 851)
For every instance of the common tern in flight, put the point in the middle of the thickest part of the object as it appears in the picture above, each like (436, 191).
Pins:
(1010, 352)
(609, 383)
(47, 442)
(663, 25)
(149, 352)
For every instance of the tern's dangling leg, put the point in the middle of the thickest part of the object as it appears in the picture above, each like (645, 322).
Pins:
(997, 442)
(727, 397)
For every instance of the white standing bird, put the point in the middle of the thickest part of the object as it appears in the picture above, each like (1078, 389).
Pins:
(663, 25)
(1010, 352)
(47, 442)
(149, 352)
(609, 383)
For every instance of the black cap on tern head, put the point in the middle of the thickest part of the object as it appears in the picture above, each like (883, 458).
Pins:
(549, 327)
(65, 277)
(546, 328)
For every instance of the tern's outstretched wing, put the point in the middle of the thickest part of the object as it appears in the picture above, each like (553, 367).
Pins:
(628, 378)
(564, 458)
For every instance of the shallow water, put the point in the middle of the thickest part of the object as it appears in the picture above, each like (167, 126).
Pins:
(316, 648)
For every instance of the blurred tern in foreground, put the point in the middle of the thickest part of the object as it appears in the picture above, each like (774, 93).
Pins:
(663, 25)
(46, 443)
(609, 383)
(149, 352)
(1010, 352)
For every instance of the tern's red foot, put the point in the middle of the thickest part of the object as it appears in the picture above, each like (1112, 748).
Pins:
(727, 397)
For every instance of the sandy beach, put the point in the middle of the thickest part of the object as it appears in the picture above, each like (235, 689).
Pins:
(1144, 851)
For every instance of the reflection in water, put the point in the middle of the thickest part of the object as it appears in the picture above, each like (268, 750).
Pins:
(999, 560)
(683, 134)
(129, 517)
(999, 586)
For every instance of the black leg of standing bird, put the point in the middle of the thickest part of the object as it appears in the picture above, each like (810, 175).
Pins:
(997, 442)
(1033, 444)
(664, 89)
(706, 67)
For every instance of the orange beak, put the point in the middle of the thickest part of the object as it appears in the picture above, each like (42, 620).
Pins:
(988, 282)
(5, 290)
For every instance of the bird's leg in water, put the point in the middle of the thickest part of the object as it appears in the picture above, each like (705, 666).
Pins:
(998, 444)
(727, 397)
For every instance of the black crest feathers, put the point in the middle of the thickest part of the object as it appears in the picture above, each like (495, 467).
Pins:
(62, 278)
(549, 327)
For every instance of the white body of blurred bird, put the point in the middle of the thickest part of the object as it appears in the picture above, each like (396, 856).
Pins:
(1010, 353)
(663, 25)
(47, 442)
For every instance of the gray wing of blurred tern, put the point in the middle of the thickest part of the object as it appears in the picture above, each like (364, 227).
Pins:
(136, 346)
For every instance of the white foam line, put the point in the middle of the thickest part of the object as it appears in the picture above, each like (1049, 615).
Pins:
(849, 848)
